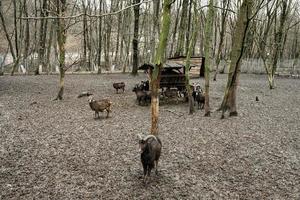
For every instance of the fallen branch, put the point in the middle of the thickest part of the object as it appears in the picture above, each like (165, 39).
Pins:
(180, 115)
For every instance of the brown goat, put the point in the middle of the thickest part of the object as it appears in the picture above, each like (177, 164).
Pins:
(100, 106)
(119, 86)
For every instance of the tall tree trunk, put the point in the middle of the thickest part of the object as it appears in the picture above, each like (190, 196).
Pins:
(278, 42)
(118, 34)
(61, 40)
(175, 30)
(155, 28)
(243, 21)
(189, 54)
(49, 47)
(10, 43)
(85, 36)
(42, 38)
(99, 39)
(90, 40)
(27, 36)
(224, 14)
(159, 59)
(182, 28)
(135, 41)
(208, 52)
(16, 61)
(189, 18)
(107, 42)
(126, 39)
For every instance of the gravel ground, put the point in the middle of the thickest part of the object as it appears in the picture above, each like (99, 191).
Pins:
(57, 150)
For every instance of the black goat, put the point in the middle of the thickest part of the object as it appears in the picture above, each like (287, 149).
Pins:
(145, 85)
(200, 98)
(142, 96)
(150, 147)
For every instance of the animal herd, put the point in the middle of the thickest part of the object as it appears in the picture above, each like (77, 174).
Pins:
(150, 145)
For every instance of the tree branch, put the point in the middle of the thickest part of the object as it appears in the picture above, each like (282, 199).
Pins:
(86, 14)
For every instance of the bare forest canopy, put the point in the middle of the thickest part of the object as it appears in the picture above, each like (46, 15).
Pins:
(100, 34)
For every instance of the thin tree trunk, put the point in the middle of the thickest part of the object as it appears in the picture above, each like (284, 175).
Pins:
(182, 29)
(118, 34)
(208, 52)
(16, 61)
(61, 40)
(85, 36)
(187, 37)
(10, 44)
(189, 54)
(278, 42)
(224, 14)
(99, 40)
(155, 27)
(27, 36)
(49, 47)
(135, 41)
(107, 42)
(175, 30)
(42, 38)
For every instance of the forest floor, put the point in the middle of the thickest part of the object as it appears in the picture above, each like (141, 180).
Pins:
(57, 150)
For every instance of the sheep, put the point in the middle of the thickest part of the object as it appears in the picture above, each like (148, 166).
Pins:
(100, 106)
(150, 148)
(118, 86)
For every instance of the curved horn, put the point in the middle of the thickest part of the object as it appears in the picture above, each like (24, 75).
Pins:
(150, 136)
(140, 136)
